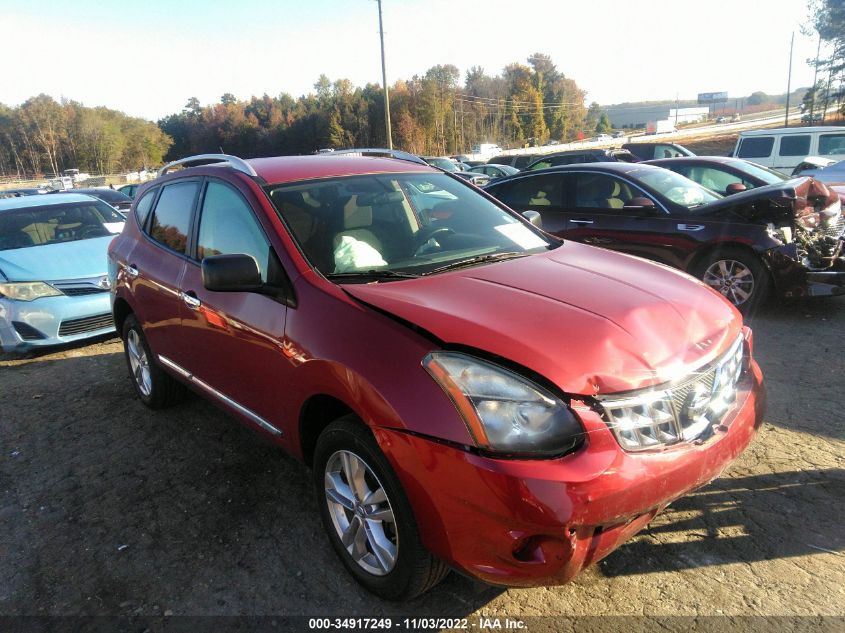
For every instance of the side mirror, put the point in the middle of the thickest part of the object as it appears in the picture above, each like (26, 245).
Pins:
(534, 217)
(231, 273)
(641, 204)
(735, 187)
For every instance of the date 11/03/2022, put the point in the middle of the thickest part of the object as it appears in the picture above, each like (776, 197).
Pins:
(417, 624)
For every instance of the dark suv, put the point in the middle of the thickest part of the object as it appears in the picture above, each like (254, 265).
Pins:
(574, 157)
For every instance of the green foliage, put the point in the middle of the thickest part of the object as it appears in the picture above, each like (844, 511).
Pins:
(432, 114)
(603, 126)
(42, 136)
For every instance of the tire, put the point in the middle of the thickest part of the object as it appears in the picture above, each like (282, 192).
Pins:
(390, 559)
(154, 386)
(737, 275)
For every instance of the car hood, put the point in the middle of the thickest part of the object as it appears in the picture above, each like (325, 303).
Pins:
(53, 262)
(590, 320)
(778, 201)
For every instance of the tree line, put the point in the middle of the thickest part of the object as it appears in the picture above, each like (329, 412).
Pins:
(435, 113)
(44, 137)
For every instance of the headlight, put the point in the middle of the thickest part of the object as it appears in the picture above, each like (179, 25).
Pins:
(27, 290)
(503, 411)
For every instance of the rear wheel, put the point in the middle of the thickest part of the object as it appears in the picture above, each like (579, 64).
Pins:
(737, 275)
(154, 387)
(368, 519)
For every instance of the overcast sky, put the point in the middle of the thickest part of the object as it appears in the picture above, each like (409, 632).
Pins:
(146, 58)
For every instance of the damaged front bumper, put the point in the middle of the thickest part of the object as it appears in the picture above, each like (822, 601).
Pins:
(795, 275)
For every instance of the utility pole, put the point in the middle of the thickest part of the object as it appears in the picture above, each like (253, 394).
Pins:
(384, 81)
(789, 81)
(815, 79)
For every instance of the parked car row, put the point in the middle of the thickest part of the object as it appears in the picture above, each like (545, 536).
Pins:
(398, 330)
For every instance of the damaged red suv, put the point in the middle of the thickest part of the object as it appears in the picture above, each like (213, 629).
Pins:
(470, 392)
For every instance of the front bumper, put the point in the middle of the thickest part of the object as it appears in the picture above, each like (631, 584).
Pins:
(539, 522)
(53, 320)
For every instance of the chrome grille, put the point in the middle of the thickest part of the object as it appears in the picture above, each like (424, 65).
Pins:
(88, 324)
(677, 413)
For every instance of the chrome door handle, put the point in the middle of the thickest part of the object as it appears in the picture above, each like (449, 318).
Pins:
(690, 227)
(191, 301)
(130, 270)
(581, 221)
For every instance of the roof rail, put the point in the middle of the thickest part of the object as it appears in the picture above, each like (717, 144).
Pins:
(203, 159)
(380, 152)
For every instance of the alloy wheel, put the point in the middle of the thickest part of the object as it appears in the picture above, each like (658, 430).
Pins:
(138, 363)
(733, 279)
(361, 513)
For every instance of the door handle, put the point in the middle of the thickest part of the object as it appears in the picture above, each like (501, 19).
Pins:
(581, 221)
(191, 300)
(690, 227)
(130, 270)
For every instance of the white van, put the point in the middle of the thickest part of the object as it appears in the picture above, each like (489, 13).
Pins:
(783, 148)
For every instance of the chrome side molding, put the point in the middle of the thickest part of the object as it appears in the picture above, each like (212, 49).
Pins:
(254, 417)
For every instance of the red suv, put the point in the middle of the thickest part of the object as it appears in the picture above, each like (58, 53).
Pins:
(469, 391)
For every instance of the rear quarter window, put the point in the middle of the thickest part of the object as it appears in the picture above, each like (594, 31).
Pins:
(756, 147)
(832, 144)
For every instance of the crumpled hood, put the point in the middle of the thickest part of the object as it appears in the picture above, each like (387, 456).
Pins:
(54, 262)
(590, 320)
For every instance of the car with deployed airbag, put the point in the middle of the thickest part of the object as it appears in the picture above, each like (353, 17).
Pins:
(468, 391)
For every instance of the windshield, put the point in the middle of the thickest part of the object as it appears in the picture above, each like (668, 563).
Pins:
(674, 187)
(58, 223)
(443, 163)
(398, 223)
(768, 176)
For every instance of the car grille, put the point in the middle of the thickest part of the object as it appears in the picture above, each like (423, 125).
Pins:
(27, 332)
(81, 290)
(88, 324)
(683, 412)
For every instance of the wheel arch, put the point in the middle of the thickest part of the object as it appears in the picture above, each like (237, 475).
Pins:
(120, 310)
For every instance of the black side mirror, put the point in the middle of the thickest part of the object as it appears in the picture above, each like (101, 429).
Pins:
(231, 273)
(735, 187)
(642, 204)
(534, 217)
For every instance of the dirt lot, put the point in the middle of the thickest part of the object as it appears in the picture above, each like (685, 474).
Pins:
(109, 509)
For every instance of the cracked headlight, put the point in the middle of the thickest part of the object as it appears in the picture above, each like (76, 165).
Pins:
(27, 290)
(503, 411)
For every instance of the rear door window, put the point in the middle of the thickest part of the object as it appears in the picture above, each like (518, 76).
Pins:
(542, 192)
(756, 147)
(798, 145)
(171, 221)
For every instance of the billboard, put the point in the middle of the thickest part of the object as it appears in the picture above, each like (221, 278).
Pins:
(712, 97)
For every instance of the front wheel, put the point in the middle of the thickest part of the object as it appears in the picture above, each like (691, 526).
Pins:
(738, 276)
(368, 519)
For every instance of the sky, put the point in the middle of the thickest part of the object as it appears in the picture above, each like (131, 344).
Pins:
(148, 57)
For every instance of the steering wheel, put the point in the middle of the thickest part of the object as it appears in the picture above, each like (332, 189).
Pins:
(90, 231)
(427, 234)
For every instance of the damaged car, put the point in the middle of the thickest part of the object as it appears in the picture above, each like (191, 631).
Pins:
(785, 238)
(468, 391)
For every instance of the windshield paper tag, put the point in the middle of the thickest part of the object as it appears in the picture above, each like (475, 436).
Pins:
(521, 236)
(114, 227)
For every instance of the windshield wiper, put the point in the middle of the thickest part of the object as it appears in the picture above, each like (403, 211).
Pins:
(472, 261)
(371, 275)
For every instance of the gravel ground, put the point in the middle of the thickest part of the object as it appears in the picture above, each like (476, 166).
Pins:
(109, 509)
